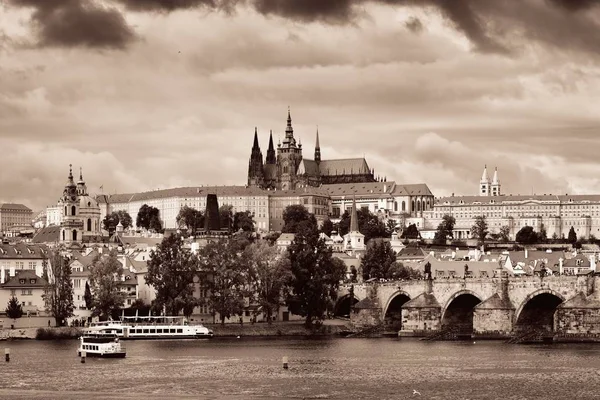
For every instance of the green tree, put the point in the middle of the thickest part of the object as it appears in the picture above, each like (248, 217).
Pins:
(377, 260)
(268, 273)
(14, 309)
(411, 232)
(111, 221)
(572, 238)
(479, 230)
(526, 235)
(149, 218)
(272, 237)
(294, 215)
(504, 233)
(58, 294)
(327, 227)
(224, 267)
(87, 296)
(445, 230)
(243, 220)
(226, 216)
(399, 271)
(368, 224)
(105, 277)
(190, 218)
(171, 271)
(315, 277)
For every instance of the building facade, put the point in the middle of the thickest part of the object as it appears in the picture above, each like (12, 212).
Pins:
(12, 214)
(287, 169)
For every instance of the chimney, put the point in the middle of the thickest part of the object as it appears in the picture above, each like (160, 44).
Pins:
(526, 254)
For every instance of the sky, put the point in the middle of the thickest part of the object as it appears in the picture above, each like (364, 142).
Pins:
(148, 94)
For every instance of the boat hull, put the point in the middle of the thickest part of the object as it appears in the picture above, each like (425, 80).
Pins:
(105, 355)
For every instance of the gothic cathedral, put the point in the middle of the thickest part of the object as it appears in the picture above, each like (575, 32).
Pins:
(288, 170)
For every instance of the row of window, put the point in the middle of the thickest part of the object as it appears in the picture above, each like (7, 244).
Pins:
(156, 330)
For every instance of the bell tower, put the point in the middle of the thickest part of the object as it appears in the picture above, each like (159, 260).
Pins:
(71, 225)
(255, 165)
(289, 156)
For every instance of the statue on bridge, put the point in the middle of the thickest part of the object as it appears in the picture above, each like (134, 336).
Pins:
(466, 271)
(427, 271)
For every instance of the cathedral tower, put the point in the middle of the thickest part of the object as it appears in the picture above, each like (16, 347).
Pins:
(289, 156)
(271, 158)
(484, 184)
(496, 184)
(317, 149)
(255, 165)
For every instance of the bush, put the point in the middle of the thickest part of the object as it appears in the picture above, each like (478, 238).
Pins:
(57, 334)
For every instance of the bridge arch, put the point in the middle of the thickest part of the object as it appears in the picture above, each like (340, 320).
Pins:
(458, 310)
(343, 306)
(537, 310)
(392, 312)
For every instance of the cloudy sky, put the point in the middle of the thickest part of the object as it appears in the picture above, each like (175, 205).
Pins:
(147, 94)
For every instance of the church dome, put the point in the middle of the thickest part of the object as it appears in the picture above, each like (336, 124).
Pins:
(87, 202)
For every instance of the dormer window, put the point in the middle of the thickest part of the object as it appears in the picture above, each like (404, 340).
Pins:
(22, 281)
(32, 281)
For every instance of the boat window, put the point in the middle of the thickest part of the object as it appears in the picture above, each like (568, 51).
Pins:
(146, 330)
(159, 331)
(152, 330)
(179, 330)
(172, 330)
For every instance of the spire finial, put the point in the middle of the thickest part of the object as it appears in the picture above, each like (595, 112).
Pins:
(80, 174)
(70, 170)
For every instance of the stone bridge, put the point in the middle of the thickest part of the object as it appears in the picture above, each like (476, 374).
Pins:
(497, 307)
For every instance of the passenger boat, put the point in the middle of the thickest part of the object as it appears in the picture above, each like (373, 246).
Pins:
(151, 327)
(107, 346)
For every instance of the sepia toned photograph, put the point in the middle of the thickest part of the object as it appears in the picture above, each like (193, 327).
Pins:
(299, 199)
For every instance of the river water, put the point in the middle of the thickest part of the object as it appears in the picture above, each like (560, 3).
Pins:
(319, 369)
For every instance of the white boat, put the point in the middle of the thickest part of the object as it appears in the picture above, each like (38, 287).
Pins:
(107, 346)
(150, 327)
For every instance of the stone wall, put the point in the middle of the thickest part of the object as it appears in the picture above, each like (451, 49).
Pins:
(493, 321)
(579, 321)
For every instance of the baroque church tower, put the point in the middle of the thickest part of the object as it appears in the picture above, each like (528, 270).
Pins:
(71, 226)
(255, 165)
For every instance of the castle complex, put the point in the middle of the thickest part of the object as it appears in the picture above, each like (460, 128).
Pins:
(288, 169)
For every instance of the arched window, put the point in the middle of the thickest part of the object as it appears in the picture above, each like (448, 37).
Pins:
(396, 206)
(65, 210)
(63, 234)
(403, 206)
(89, 225)
(73, 210)
(285, 169)
(74, 235)
(418, 205)
(413, 206)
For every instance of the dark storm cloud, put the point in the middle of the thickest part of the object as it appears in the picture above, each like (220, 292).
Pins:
(73, 23)
(414, 25)
(173, 5)
(575, 5)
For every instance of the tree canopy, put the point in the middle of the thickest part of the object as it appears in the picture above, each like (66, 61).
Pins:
(445, 230)
(314, 276)
(294, 215)
(327, 227)
(268, 273)
(111, 221)
(105, 276)
(368, 224)
(226, 216)
(149, 218)
(171, 271)
(479, 230)
(411, 232)
(243, 220)
(59, 292)
(526, 235)
(14, 309)
(572, 238)
(378, 259)
(222, 264)
(190, 218)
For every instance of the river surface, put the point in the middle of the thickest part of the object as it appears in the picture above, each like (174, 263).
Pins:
(319, 369)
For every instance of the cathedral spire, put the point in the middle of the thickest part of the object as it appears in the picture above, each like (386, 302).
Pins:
(354, 216)
(80, 174)
(317, 148)
(70, 181)
(289, 131)
(255, 145)
(271, 151)
(495, 179)
(485, 178)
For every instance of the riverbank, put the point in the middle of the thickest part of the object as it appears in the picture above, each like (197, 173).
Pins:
(280, 329)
